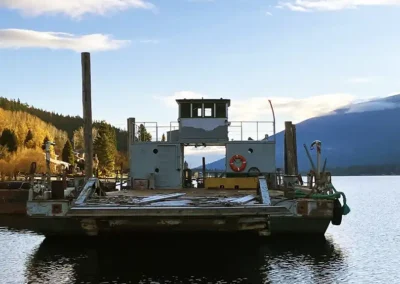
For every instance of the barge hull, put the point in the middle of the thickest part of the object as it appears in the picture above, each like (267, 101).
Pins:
(97, 221)
(298, 225)
(98, 226)
(13, 201)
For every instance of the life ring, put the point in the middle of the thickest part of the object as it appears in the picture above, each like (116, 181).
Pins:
(253, 172)
(236, 168)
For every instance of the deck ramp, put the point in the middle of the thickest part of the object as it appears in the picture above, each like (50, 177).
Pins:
(264, 192)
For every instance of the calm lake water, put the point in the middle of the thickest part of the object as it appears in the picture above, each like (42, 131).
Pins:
(364, 249)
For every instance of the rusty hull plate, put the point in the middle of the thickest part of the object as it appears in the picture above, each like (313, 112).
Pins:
(315, 208)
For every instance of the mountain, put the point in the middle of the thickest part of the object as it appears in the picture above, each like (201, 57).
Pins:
(359, 134)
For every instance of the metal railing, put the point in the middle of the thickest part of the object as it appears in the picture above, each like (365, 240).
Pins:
(237, 131)
(155, 130)
(251, 130)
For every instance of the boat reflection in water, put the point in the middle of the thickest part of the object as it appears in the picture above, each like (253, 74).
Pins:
(186, 259)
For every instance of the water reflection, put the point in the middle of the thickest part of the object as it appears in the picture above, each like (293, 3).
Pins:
(189, 259)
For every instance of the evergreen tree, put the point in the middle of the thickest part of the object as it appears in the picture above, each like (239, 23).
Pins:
(9, 140)
(163, 138)
(67, 153)
(29, 143)
(143, 135)
(105, 147)
(29, 136)
(45, 140)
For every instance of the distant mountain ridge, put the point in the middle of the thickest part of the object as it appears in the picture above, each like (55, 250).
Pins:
(364, 133)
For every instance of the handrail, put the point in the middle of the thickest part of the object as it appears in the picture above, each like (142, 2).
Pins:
(154, 128)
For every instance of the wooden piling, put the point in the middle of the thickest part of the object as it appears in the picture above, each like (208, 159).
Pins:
(296, 164)
(131, 140)
(87, 113)
(204, 171)
(290, 149)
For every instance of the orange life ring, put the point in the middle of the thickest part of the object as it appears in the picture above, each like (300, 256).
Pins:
(236, 168)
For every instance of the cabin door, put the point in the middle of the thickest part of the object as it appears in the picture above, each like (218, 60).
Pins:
(168, 162)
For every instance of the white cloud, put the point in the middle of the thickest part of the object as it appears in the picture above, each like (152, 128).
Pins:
(332, 5)
(371, 106)
(268, 13)
(16, 38)
(73, 8)
(288, 108)
(389, 95)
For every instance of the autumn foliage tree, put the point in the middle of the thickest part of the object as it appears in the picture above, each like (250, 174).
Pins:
(121, 159)
(79, 140)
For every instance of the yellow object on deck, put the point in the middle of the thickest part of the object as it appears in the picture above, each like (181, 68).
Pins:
(231, 183)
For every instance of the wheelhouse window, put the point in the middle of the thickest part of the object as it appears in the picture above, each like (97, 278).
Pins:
(197, 110)
(185, 110)
(209, 110)
(220, 110)
(200, 109)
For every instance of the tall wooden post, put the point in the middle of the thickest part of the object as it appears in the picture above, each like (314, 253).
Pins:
(87, 113)
(131, 139)
(290, 149)
(204, 171)
(296, 163)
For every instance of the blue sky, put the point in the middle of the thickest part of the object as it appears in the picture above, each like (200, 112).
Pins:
(308, 56)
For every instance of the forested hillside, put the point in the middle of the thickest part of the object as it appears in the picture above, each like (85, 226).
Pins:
(24, 130)
(21, 141)
(24, 124)
(66, 123)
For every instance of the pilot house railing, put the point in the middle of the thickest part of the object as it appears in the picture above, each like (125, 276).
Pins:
(237, 131)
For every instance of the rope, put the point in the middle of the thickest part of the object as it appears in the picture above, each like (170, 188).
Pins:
(336, 195)
(346, 208)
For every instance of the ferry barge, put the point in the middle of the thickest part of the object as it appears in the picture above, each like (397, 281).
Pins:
(251, 195)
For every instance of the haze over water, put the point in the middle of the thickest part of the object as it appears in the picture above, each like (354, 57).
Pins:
(364, 249)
